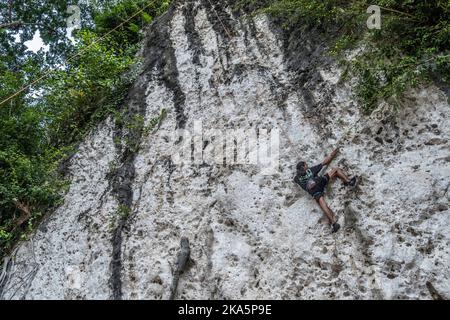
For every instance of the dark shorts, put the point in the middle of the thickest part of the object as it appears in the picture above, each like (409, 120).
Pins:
(321, 184)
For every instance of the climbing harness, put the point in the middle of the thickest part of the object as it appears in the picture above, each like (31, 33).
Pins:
(220, 20)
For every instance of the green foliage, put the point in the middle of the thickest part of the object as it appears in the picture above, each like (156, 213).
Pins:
(122, 213)
(129, 32)
(40, 126)
(137, 127)
(89, 88)
(28, 162)
(46, 16)
(410, 47)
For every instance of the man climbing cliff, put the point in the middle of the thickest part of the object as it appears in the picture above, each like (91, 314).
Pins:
(310, 180)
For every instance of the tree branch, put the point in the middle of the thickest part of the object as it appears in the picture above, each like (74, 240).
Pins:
(10, 25)
(399, 12)
(10, 9)
(18, 23)
(25, 213)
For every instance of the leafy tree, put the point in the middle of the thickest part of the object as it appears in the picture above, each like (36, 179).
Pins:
(79, 84)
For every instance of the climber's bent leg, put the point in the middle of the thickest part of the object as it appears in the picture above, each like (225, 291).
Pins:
(323, 205)
(338, 172)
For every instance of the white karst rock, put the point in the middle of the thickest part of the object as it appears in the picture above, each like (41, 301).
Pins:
(253, 233)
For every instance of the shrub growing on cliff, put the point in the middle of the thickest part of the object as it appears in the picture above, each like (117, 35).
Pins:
(410, 47)
(40, 125)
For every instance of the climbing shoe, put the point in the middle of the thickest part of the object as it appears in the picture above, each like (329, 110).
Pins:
(336, 227)
(351, 183)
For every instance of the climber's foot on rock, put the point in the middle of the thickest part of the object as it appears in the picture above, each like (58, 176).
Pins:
(336, 227)
(351, 183)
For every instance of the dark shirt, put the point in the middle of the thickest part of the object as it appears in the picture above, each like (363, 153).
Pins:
(311, 173)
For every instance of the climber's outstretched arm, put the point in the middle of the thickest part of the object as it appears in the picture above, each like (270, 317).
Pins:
(330, 158)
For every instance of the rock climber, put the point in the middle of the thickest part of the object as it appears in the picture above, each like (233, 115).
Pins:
(310, 180)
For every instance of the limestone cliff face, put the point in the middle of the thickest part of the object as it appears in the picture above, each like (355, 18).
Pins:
(252, 236)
